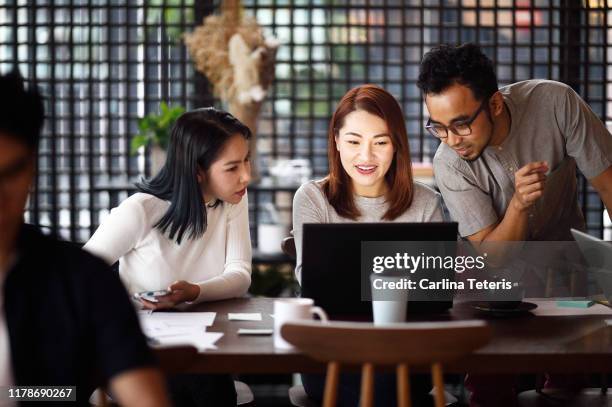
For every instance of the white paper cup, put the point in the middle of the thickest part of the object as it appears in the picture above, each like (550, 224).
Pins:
(290, 310)
(389, 312)
(392, 308)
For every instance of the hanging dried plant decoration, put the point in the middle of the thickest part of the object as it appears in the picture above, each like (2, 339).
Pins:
(209, 47)
(231, 50)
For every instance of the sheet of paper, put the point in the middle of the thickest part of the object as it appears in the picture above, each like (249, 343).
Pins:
(179, 328)
(202, 341)
(244, 316)
(155, 330)
(181, 319)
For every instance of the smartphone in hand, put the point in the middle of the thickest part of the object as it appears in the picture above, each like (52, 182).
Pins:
(151, 296)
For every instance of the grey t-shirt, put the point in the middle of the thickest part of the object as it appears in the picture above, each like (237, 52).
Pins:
(550, 122)
(310, 205)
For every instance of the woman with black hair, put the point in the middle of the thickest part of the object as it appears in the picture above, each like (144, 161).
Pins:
(187, 230)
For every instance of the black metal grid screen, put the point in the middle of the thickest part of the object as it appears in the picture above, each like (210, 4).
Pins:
(101, 65)
(104, 63)
(331, 46)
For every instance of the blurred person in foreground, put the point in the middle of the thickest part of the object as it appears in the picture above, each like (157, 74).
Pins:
(56, 327)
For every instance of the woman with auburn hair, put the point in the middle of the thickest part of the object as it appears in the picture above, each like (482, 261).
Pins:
(370, 172)
(370, 180)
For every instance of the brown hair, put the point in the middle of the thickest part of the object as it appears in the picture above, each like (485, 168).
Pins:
(337, 186)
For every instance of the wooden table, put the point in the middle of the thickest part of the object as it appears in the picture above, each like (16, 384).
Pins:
(528, 344)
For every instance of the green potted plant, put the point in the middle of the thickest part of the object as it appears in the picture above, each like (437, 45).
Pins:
(154, 130)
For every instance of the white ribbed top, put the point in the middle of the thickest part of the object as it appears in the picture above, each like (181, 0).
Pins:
(219, 261)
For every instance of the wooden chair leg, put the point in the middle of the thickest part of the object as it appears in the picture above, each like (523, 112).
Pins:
(367, 385)
(330, 395)
(438, 382)
(403, 386)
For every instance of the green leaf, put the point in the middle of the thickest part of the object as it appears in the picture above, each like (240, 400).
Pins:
(137, 142)
(164, 108)
(144, 124)
(155, 128)
(177, 111)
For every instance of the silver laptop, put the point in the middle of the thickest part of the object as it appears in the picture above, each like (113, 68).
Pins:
(598, 254)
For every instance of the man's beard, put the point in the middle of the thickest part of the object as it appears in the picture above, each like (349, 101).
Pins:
(471, 159)
(489, 138)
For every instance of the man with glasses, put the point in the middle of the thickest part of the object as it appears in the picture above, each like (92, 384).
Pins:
(506, 164)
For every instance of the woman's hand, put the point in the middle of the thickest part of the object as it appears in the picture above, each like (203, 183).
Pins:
(180, 291)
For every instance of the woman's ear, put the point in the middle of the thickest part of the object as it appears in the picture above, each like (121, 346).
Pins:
(336, 140)
(200, 176)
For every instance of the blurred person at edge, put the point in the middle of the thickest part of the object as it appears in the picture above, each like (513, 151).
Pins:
(55, 328)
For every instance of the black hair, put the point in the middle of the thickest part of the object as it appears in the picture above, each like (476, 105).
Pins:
(21, 110)
(466, 65)
(196, 140)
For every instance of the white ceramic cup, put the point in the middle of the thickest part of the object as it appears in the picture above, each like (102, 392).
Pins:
(293, 309)
(389, 311)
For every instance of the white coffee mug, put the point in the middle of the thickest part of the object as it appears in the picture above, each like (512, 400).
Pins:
(290, 310)
(391, 309)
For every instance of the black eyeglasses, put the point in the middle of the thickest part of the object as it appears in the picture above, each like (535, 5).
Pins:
(460, 129)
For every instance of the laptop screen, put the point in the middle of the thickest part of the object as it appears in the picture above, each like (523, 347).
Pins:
(331, 263)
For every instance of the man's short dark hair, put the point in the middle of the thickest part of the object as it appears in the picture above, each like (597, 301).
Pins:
(21, 110)
(466, 65)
